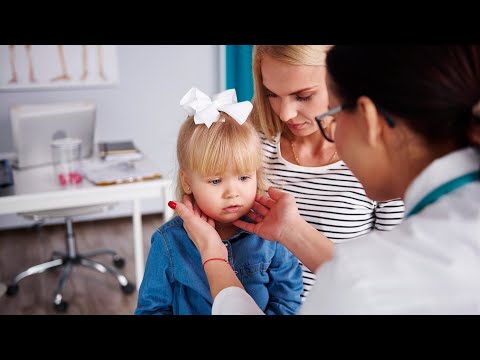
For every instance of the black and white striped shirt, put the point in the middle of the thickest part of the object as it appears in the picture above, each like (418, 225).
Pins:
(330, 198)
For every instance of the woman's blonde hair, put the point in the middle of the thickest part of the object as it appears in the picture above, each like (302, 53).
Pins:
(263, 117)
(210, 151)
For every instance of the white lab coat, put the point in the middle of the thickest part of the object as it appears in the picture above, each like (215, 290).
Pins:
(429, 264)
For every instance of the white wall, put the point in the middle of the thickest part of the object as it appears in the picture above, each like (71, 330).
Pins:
(143, 107)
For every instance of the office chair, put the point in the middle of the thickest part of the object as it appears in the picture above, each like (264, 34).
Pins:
(71, 257)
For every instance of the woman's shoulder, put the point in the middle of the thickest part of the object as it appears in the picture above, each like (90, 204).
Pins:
(266, 140)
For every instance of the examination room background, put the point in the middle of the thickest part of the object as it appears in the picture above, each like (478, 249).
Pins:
(144, 106)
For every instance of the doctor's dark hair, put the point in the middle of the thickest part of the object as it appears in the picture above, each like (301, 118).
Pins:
(433, 89)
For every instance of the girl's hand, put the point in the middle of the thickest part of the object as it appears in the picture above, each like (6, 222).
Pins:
(275, 217)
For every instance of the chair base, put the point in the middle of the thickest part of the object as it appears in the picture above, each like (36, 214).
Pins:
(67, 262)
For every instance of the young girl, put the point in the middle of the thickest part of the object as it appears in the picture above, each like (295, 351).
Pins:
(220, 167)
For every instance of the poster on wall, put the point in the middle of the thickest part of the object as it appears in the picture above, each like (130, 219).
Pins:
(54, 67)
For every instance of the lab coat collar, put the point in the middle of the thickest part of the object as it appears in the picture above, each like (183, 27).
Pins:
(439, 172)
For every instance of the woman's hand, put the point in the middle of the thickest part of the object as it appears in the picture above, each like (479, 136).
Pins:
(276, 217)
(201, 230)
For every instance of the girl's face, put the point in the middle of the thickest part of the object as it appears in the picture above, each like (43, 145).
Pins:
(296, 93)
(224, 198)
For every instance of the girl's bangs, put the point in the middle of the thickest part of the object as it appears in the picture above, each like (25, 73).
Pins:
(223, 151)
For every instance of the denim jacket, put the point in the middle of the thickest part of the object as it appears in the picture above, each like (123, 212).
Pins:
(175, 283)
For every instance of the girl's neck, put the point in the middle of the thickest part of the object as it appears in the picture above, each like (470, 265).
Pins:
(226, 231)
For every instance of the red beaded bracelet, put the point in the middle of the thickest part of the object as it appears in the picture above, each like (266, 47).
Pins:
(206, 261)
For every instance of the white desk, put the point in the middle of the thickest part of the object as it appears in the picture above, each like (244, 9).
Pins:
(35, 189)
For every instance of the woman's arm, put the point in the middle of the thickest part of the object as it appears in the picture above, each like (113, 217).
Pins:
(277, 219)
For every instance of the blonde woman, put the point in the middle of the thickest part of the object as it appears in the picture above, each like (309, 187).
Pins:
(299, 158)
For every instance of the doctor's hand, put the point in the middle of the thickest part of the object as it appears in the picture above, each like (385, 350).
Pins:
(275, 217)
(200, 229)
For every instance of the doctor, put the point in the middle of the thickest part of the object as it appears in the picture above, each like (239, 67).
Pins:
(407, 125)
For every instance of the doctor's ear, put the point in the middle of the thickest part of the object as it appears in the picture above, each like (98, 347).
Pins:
(185, 182)
(371, 119)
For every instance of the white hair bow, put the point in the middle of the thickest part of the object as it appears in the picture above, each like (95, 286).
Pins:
(206, 110)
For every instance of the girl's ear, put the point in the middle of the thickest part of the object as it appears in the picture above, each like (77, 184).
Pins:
(371, 119)
(185, 182)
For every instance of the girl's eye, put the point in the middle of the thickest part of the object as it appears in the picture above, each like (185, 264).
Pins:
(303, 98)
(244, 178)
(215, 181)
(270, 94)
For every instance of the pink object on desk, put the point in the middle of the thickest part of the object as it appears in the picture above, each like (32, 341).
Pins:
(62, 180)
(75, 178)
(70, 178)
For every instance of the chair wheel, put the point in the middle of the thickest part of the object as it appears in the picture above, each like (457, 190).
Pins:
(118, 262)
(12, 290)
(128, 289)
(61, 307)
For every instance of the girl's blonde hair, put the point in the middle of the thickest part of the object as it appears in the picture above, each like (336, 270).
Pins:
(263, 117)
(210, 151)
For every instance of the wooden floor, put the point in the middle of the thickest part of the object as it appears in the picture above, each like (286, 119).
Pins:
(87, 291)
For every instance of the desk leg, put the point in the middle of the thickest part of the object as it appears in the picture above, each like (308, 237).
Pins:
(167, 196)
(138, 242)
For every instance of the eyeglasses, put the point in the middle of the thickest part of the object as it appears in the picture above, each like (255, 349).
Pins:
(319, 119)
